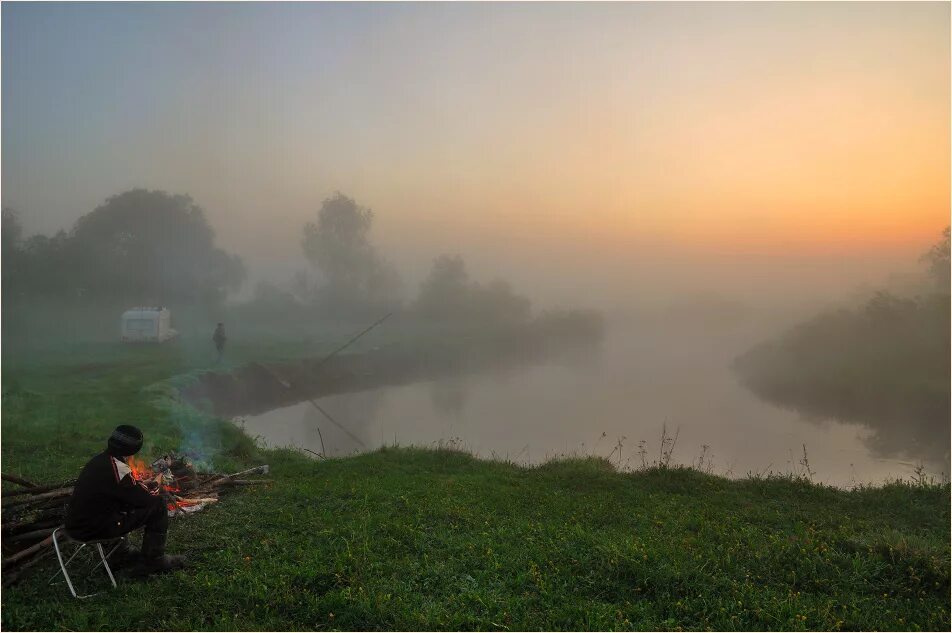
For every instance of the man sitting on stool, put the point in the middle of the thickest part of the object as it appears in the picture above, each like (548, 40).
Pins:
(108, 503)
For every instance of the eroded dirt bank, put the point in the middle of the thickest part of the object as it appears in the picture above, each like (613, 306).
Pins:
(259, 386)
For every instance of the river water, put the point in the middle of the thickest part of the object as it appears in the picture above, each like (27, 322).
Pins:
(617, 403)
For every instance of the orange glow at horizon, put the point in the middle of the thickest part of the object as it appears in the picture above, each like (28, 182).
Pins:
(739, 128)
(819, 165)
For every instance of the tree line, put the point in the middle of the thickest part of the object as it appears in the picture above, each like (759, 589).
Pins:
(883, 364)
(144, 247)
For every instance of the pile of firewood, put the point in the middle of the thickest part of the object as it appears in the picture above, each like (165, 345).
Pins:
(32, 512)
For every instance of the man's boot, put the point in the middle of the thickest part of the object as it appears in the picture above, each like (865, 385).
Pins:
(154, 560)
(122, 556)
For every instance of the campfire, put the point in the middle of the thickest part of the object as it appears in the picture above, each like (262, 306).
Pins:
(174, 477)
(32, 512)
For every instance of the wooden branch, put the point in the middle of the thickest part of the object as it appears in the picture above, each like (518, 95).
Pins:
(44, 515)
(40, 509)
(17, 480)
(243, 482)
(62, 492)
(263, 469)
(15, 575)
(54, 514)
(28, 551)
(26, 526)
(198, 500)
(39, 489)
(28, 536)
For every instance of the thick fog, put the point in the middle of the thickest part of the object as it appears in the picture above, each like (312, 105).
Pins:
(731, 207)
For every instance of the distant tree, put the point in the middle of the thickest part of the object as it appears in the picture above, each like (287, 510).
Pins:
(448, 294)
(12, 238)
(12, 230)
(153, 247)
(497, 301)
(445, 292)
(48, 267)
(338, 246)
(937, 259)
(36, 265)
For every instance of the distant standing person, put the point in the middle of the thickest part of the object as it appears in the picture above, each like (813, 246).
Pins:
(220, 338)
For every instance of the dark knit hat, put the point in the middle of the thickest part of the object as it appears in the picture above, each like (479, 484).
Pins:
(125, 440)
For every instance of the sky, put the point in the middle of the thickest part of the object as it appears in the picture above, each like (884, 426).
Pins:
(572, 146)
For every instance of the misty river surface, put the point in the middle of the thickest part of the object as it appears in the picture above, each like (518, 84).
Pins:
(639, 382)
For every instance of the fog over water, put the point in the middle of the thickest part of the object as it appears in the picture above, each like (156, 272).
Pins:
(645, 377)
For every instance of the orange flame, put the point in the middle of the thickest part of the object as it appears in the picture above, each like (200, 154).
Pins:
(144, 474)
(140, 470)
(155, 483)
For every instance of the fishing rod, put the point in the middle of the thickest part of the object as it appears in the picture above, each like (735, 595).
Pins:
(287, 385)
(353, 339)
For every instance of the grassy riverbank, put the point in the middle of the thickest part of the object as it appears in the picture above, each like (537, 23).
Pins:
(434, 539)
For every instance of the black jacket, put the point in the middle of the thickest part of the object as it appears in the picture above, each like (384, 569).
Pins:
(103, 490)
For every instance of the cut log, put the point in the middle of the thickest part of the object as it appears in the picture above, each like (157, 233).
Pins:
(29, 536)
(28, 526)
(39, 511)
(33, 549)
(17, 480)
(38, 489)
(50, 505)
(12, 577)
(57, 510)
(30, 499)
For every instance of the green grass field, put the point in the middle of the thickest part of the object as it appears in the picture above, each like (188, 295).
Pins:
(406, 538)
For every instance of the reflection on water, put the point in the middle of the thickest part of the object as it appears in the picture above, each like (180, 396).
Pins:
(638, 384)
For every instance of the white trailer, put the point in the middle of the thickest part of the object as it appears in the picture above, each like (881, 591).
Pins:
(147, 325)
